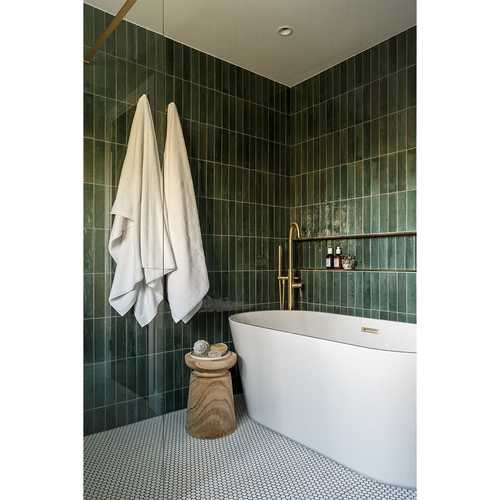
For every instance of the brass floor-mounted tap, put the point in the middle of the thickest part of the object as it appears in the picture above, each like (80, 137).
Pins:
(292, 280)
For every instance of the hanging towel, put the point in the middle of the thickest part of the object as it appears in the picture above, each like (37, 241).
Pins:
(139, 242)
(188, 283)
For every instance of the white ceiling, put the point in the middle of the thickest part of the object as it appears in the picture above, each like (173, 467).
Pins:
(243, 32)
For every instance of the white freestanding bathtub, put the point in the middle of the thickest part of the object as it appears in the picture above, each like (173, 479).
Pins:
(342, 385)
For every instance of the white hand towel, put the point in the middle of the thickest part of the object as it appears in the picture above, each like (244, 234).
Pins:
(139, 242)
(188, 283)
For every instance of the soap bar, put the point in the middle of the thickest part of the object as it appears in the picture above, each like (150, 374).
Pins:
(221, 347)
(214, 354)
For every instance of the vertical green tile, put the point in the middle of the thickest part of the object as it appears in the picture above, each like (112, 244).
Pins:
(383, 253)
(392, 289)
(110, 85)
(99, 65)
(383, 291)
(343, 288)
(88, 250)
(391, 253)
(384, 213)
(411, 169)
(401, 211)
(88, 115)
(410, 261)
(374, 290)
(99, 295)
(402, 138)
(367, 218)
(392, 173)
(400, 252)
(383, 175)
(402, 292)
(412, 86)
(88, 78)
(402, 170)
(411, 46)
(412, 128)
(88, 296)
(411, 293)
(366, 178)
(99, 117)
(392, 133)
(366, 290)
(88, 205)
(100, 206)
(358, 216)
(88, 160)
(411, 207)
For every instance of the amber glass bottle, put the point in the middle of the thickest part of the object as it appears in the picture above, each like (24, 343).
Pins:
(337, 258)
(329, 258)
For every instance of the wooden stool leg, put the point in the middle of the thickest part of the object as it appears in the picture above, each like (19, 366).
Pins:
(210, 412)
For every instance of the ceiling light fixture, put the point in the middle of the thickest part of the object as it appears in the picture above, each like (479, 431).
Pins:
(285, 30)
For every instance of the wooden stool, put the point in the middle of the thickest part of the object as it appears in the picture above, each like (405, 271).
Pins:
(210, 411)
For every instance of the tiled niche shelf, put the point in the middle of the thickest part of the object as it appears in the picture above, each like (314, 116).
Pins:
(357, 236)
(364, 269)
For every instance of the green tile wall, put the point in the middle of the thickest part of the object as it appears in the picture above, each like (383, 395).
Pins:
(235, 125)
(352, 141)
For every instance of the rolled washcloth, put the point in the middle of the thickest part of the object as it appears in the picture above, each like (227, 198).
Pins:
(139, 241)
(188, 283)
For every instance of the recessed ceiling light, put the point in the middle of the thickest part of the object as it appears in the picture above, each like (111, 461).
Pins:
(285, 30)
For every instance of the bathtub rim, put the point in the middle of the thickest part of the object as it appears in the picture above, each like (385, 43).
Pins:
(233, 318)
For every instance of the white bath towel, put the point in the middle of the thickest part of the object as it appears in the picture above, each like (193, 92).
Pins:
(188, 283)
(139, 242)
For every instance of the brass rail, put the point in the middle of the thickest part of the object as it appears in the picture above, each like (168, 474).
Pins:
(109, 29)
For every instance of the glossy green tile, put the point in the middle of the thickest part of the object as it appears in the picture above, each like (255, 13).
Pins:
(88, 205)
(375, 291)
(400, 253)
(88, 296)
(88, 115)
(383, 253)
(401, 224)
(375, 215)
(411, 210)
(393, 212)
(392, 174)
(411, 293)
(88, 78)
(99, 65)
(402, 292)
(392, 133)
(88, 250)
(366, 290)
(411, 181)
(392, 290)
(410, 253)
(383, 291)
(100, 297)
(412, 128)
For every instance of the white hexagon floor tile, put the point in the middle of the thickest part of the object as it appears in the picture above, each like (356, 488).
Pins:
(156, 459)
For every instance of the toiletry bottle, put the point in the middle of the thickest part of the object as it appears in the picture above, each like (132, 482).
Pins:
(329, 258)
(337, 258)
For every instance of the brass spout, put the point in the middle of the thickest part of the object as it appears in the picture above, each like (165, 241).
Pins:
(293, 282)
